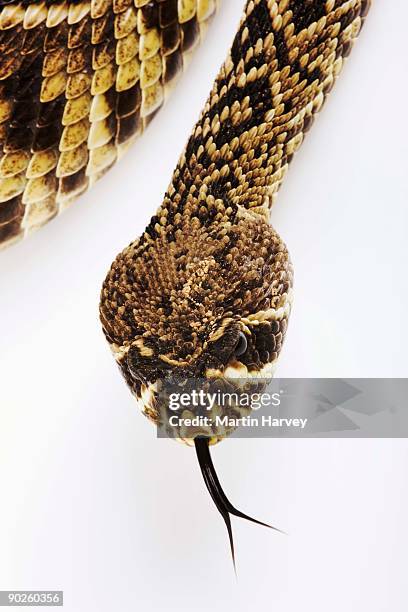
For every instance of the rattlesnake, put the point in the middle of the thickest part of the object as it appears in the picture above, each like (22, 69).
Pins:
(206, 291)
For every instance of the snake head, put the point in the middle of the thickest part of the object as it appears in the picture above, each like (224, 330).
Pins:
(198, 297)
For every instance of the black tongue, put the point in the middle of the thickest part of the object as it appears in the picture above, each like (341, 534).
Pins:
(224, 506)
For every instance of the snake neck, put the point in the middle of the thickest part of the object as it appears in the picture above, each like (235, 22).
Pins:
(283, 62)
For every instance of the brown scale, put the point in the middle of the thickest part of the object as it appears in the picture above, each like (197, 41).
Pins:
(19, 67)
(79, 81)
(206, 292)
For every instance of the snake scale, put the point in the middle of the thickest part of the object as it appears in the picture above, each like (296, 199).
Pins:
(79, 81)
(205, 293)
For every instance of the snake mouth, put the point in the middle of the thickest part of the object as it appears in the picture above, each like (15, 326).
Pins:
(212, 408)
(240, 353)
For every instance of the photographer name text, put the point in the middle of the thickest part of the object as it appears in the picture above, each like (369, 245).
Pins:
(228, 421)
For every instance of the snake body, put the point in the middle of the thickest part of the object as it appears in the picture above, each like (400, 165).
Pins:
(205, 293)
(79, 81)
(210, 270)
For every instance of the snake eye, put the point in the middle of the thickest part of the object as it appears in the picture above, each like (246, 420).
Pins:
(241, 345)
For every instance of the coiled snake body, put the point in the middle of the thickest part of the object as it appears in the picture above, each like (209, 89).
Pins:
(206, 292)
(79, 81)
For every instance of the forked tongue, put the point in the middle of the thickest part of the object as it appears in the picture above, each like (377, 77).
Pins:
(224, 506)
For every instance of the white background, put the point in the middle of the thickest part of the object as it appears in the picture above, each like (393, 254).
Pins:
(93, 504)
